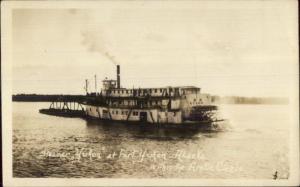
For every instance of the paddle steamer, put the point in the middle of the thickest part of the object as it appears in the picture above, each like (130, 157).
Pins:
(163, 105)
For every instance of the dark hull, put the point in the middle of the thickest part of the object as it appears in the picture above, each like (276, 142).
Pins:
(205, 125)
(63, 113)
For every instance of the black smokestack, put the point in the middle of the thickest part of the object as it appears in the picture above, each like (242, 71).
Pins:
(118, 77)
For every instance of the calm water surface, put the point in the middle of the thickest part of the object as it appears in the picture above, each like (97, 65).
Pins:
(254, 145)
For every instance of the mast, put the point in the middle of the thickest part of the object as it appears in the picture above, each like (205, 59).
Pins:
(118, 77)
(95, 83)
(86, 85)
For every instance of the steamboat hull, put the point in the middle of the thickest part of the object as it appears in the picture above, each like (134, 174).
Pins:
(63, 112)
(207, 125)
(202, 125)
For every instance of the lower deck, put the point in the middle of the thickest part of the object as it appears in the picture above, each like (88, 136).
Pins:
(142, 115)
(134, 116)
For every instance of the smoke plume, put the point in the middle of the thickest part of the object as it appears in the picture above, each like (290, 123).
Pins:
(96, 43)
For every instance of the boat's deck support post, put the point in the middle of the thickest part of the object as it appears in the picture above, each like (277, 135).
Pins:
(66, 105)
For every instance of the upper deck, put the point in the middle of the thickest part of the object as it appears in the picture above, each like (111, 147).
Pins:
(113, 95)
(112, 88)
(151, 92)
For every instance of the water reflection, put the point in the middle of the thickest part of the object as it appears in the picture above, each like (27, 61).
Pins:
(255, 143)
(144, 131)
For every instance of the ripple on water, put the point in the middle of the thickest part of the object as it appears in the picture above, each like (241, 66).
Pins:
(255, 146)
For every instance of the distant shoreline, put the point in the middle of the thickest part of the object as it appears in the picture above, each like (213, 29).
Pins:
(250, 100)
(216, 99)
(44, 98)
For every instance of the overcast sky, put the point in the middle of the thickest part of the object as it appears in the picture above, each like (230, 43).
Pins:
(246, 48)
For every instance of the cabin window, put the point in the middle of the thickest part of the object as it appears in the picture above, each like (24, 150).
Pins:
(104, 111)
(118, 91)
(127, 91)
(160, 90)
(135, 113)
(150, 91)
(91, 109)
(122, 112)
(155, 91)
(120, 102)
(122, 91)
(156, 102)
(113, 112)
(117, 112)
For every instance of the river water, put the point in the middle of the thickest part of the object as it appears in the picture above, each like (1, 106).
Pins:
(254, 145)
